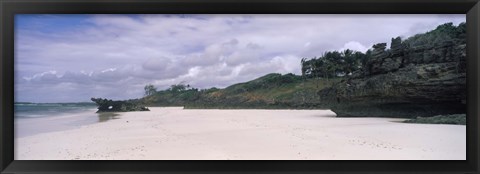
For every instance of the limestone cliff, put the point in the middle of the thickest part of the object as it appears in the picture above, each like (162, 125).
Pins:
(405, 81)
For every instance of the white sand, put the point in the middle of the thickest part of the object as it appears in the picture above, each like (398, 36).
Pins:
(176, 134)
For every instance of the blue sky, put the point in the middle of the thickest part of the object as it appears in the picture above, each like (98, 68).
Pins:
(52, 23)
(71, 58)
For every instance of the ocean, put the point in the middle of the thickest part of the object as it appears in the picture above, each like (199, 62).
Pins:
(36, 110)
(35, 118)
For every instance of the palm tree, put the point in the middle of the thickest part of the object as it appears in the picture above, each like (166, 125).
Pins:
(350, 61)
(304, 69)
(318, 66)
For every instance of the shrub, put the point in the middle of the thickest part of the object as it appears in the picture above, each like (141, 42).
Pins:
(459, 119)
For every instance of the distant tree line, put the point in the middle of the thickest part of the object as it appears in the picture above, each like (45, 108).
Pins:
(177, 88)
(334, 63)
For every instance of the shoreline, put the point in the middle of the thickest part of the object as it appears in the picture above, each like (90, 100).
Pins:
(173, 133)
(45, 124)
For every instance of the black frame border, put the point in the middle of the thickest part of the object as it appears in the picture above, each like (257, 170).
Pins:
(8, 8)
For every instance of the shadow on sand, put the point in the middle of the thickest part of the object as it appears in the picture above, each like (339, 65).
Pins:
(105, 116)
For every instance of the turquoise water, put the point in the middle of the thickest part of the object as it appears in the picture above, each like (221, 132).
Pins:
(35, 118)
(36, 110)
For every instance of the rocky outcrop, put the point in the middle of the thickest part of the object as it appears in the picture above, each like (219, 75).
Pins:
(405, 81)
(105, 105)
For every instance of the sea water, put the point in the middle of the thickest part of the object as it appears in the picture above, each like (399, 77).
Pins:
(35, 118)
(36, 110)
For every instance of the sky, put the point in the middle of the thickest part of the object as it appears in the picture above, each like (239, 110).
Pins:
(71, 58)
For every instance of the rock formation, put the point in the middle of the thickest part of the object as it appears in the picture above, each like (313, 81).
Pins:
(405, 81)
(105, 105)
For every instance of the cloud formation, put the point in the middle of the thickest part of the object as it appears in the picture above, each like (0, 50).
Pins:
(66, 58)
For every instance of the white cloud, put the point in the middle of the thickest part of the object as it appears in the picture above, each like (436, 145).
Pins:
(354, 45)
(109, 70)
(40, 75)
(307, 44)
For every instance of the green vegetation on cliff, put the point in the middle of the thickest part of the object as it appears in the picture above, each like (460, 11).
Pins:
(269, 91)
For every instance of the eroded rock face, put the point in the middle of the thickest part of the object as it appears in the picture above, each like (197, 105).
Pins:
(405, 82)
(105, 105)
(397, 47)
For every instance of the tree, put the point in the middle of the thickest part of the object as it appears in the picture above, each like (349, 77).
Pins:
(304, 69)
(334, 61)
(349, 61)
(178, 88)
(304, 66)
(364, 60)
(150, 90)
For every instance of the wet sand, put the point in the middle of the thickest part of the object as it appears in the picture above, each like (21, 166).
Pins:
(190, 134)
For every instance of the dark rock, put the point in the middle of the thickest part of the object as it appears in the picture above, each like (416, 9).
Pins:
(397, 47)
(375, 63)
(105, 105)
(379, 48)
(448, 51)
(422, 81)
(390, 64)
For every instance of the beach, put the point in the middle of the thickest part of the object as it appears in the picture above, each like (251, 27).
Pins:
(174, 133)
